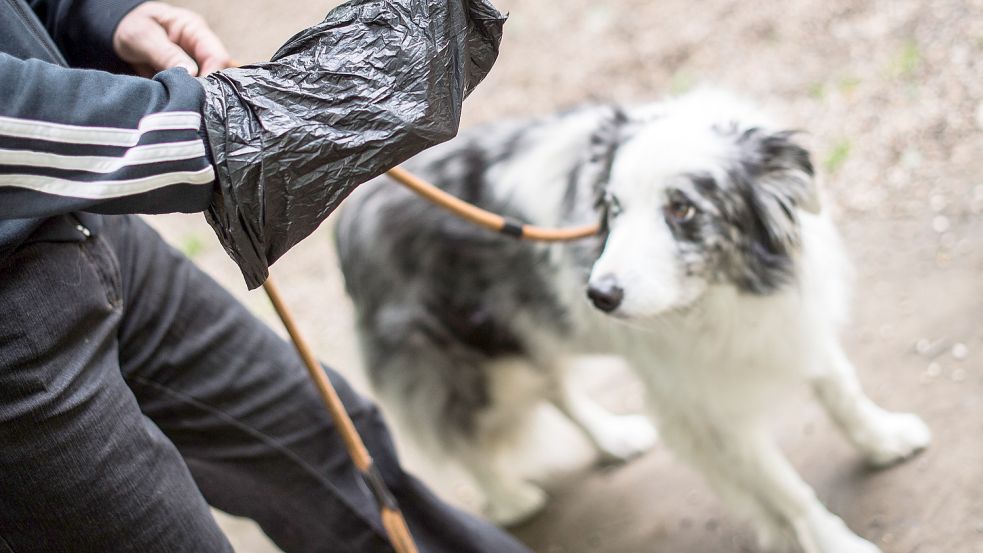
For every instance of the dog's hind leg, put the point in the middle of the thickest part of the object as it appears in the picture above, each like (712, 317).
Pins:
(617, 437)
(477, 448)
(515, 389)
(741, 461)
(459, 407)
(883, 437)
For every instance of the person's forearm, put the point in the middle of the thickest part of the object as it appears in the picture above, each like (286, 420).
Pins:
(81, 140)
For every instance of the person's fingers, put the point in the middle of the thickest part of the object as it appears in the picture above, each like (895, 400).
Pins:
(190, 31)
(208, 50)
(144, 42)
(164, 54)
(214, 64)
(159, 36)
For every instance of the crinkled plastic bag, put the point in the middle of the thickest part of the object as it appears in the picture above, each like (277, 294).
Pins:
(372, 85)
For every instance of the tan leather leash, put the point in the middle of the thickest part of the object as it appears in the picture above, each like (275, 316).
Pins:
(488, 219)
(392, 518)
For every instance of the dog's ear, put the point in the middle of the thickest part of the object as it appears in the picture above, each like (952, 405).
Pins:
(780, 178)
(782, 165)
(594, 172)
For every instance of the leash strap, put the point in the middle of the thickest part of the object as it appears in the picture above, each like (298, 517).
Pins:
(392, 518)
(487, 219)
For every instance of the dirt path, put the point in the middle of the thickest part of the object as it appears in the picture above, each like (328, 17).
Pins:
(891, 92)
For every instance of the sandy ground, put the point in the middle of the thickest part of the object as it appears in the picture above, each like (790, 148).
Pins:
(891, 93)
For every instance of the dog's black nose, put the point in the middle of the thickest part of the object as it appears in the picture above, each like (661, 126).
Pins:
(606, 294)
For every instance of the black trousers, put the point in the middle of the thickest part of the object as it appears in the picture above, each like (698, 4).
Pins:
(134, 391)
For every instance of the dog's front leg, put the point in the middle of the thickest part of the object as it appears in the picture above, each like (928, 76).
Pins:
(509, 499)
(744, 465)
(617, 437)
(883, 437)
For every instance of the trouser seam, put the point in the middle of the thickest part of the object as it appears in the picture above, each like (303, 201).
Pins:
(263, 437)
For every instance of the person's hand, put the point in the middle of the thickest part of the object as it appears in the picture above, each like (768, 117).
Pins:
(155, 36)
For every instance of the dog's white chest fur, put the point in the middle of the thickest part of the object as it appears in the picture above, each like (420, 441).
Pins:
(730, 352)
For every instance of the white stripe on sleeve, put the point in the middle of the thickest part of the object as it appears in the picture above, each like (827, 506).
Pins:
(102, 136)
(103, 190)
(137, 155)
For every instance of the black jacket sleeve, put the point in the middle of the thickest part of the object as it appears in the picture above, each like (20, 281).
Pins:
(82, 140)
(83, 30)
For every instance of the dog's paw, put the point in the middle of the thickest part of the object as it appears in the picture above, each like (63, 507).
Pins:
(845, 542)
(626, 437)
(897, 437)
(828, 534)
(520, 503)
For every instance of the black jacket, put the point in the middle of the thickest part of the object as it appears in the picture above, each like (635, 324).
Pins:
(82, 139)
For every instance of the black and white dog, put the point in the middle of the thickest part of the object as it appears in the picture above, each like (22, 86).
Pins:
(717, 279)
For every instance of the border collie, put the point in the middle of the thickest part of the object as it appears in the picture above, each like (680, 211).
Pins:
(717, 278)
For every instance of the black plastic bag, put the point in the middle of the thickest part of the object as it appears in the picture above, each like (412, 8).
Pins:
(372, 85)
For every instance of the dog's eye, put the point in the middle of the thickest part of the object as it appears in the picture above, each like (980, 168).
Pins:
(680, 211)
